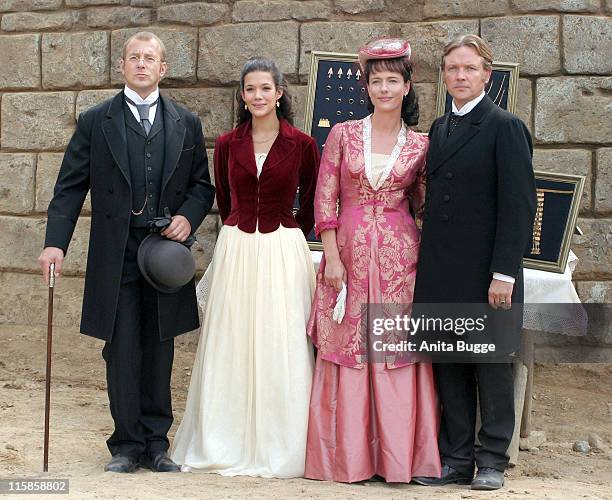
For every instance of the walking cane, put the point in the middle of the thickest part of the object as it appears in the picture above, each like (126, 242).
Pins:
(48, 375)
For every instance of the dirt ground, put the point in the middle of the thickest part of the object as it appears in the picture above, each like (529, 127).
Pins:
(570, 401)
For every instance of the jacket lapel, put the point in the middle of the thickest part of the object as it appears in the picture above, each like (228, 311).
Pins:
(113, 128)
(174, 138)
(447, 146)
(282, 148)
(242, 148)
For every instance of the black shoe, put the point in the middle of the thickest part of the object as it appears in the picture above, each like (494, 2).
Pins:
(449, 476)
(488, 479)
(159, 462)
(122, 463)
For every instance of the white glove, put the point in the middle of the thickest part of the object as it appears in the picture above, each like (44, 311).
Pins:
(340, 305)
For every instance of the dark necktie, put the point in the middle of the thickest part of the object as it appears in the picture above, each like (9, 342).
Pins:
(143, 112)
(453, 121)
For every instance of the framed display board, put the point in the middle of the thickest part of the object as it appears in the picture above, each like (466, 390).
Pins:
(501, 88)
(336, 93)
(558, 202)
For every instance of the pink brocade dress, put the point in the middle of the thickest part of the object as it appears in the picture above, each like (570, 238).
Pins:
(380, 417)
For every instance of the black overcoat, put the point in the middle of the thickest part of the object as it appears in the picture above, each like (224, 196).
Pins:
(479, 208)
(96, 160)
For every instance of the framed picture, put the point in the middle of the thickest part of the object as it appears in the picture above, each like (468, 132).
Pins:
(558, 202)
(501, 88)
(336, 93)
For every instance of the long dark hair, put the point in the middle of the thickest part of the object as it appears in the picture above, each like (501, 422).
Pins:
(403, 66)
(267, 65)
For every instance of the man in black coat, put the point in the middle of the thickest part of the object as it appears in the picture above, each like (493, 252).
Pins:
(137, 153)
(478, 218)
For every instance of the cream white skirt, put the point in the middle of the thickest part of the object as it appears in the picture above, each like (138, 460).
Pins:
(247, 407)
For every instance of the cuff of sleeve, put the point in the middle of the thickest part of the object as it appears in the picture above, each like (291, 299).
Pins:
(503, 277)
(322, 226)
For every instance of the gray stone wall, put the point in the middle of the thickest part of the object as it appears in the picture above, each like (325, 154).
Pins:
(58, 57)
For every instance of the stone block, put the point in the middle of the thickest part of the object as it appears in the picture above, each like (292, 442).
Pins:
(567, 161)
(213, 106)
(21, 5)
(89, 98)
(28, 234)
(87, 3)
(118, 17)
(207, 237)
(587, 44)
(573, 109)
(426, 93)
(555, 5)
(17, 188)
(278, 10)
(195, 14)
(598, 292)
(47, 168)
(20, 53)
(144, 3)
(603, 183)
(428, 41)
(436, 9)
(337, 37)
(225, 49)
(531, 41)
(87, 54)
(37, 121)
(299, 95)
(25, 298)
(34, 21)
(359, 6)
(402, 11)
(181, 48)
(524, 98)
(594, 249)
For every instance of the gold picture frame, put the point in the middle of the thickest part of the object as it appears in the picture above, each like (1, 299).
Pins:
(558, 204)
(501, 88)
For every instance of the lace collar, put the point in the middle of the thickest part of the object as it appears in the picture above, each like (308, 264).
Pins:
(367, 152)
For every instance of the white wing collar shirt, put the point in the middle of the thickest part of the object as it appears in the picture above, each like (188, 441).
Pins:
(136, 99)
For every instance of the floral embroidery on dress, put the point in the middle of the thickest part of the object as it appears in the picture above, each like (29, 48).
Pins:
(377, 236)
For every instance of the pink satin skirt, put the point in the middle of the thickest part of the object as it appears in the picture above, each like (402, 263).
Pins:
(371, 421)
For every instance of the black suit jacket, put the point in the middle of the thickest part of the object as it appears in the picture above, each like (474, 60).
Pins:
(480, 206)
(96, 160)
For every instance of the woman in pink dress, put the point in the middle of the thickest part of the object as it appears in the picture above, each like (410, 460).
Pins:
(377, 416)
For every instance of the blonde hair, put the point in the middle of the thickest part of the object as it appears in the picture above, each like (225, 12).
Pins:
(145, 35)
(481, 46)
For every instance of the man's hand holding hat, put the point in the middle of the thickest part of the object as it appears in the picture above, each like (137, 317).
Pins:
(178, 230)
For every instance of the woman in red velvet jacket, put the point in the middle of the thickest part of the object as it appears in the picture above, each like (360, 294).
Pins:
(247, 408)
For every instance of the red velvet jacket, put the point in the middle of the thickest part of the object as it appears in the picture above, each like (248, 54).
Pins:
(244, 200)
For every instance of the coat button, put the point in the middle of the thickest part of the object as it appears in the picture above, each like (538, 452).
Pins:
(444, 217)
(110, 190)
(113, 165)
(148, 155)
(107, 215)
(178, 191)
(449, 175)
(446, 197)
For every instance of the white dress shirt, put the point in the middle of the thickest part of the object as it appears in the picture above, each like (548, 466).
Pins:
(465, 109)
(152, 97)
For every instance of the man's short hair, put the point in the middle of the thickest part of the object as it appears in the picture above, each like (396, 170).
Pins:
(145, 35)
(481, 46)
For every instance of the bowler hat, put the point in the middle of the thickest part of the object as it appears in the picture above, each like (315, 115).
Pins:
(167, 265)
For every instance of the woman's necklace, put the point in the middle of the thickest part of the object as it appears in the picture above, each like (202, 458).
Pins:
(266, 140)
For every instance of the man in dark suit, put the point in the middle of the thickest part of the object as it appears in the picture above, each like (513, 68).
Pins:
(138, 154)
(479, 212)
